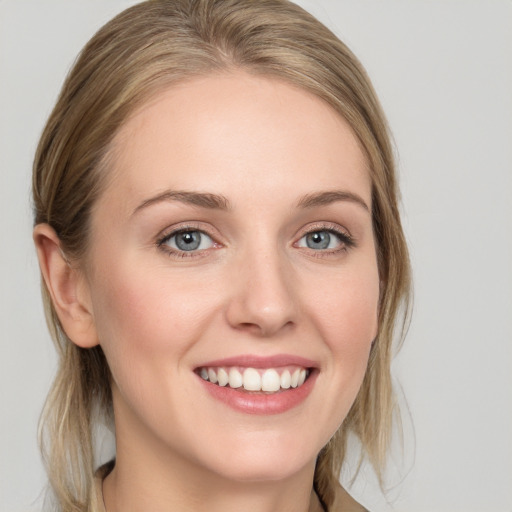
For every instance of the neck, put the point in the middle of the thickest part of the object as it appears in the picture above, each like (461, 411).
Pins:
(135, 487)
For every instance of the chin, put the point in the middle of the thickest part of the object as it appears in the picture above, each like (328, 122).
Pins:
(265, 459)
(263, 472)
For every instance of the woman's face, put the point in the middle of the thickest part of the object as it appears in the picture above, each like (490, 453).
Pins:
(234, 243)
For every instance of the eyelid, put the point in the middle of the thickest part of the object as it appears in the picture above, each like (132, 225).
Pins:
(346, 239)
(181, 227)
(324, 226)
(176, 229)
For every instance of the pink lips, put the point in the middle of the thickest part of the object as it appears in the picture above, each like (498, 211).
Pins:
(262, 403)
(263, 362)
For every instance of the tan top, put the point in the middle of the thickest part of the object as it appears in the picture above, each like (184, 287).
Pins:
(97, 503)
(343, 502)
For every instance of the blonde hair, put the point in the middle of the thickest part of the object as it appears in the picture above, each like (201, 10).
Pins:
(145, 49)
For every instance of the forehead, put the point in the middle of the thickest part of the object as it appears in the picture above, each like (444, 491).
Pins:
(238, 132)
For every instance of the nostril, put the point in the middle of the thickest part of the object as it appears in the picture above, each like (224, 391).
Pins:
(264, 329)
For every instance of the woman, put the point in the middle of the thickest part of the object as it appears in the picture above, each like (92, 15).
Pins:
(223, 262)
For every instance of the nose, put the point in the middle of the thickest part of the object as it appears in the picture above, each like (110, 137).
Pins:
(263, 300)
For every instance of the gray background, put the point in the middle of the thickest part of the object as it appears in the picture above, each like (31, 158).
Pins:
(442, 69)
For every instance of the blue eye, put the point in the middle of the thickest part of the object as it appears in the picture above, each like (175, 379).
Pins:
(322, 240)
(191, 240)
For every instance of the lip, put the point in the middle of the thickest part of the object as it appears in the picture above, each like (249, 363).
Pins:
(253, 361)
(261, 403)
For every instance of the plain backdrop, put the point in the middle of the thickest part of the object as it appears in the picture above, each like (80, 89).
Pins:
(443, 71)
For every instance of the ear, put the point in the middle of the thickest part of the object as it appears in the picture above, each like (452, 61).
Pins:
(68, 288)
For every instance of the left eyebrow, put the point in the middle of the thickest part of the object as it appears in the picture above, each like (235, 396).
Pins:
(330, 196)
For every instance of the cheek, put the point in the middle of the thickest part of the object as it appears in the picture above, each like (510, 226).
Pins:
(144, 315)
(347, 316)
(148, 323)
(349, 310)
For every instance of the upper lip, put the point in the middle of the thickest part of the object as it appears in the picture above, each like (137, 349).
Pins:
(254, 361)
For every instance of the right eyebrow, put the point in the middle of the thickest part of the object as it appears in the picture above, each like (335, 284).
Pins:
(201, 199)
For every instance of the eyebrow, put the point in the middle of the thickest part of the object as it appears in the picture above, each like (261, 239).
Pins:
(220, 202)
(201, 199)
(330, 196)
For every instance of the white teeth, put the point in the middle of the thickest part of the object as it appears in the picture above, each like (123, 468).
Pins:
(223, 377)
(252, 380)
(270, 381)
(212, 376)
(286, 379)
(235, 378)
(295, 378)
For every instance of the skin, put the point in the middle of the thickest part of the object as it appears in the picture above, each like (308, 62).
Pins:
(254, 287)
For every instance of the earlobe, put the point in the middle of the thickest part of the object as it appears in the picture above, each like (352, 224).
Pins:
(67, 288)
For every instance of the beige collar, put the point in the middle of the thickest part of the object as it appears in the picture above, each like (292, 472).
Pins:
(97, 502)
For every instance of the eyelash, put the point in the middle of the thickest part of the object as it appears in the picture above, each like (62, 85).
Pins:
(346, 240)
(173, 253)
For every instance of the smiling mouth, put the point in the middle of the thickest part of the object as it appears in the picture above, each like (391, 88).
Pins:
(254, 380)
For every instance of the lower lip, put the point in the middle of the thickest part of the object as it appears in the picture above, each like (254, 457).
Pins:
(260, 403)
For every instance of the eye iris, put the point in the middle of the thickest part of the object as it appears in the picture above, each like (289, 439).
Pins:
(318, 240)
(188, 241)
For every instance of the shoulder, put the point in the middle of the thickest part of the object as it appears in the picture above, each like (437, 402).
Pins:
(343, 502)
